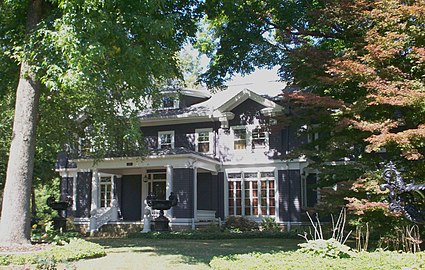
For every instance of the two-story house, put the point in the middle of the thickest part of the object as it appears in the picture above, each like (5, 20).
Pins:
(221, 154)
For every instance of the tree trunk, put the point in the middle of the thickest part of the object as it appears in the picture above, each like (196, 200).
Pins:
(15, 216)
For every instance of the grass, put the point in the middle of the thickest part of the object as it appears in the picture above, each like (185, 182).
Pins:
(139, 253)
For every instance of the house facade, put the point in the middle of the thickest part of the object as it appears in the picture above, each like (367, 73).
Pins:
(220, 154)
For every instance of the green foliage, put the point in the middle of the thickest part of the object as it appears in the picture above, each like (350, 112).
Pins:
(44, 213)
(326, 248)
(46, 234)
(379, 260)
(76, 249)
(270, 225)
(240, 224)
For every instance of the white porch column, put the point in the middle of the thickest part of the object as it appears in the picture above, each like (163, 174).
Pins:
(114, 201)
(94, 190)
(169, 184)
(74, 192)
(195, 193)
(169, 187)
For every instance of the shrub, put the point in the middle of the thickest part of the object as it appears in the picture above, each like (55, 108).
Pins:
(46, 234)
(240, 224)
(270, 225)
(326, 248)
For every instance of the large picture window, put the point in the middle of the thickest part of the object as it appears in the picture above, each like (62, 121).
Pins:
(252, 194)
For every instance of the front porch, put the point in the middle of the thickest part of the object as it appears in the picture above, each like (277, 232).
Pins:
(114, 190)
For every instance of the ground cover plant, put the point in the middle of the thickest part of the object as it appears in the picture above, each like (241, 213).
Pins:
(381, 260)
(76, 249)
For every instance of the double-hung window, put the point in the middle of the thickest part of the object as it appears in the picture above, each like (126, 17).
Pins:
(250, 137)
(239, 138)
(252, 194)
(203, 140)
(259, 137)
(166, 140)
(105, 191)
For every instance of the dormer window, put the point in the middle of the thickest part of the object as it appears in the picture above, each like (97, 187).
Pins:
(166, 140)
(169, 103)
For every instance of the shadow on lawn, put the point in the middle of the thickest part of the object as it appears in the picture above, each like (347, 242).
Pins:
(196, 251)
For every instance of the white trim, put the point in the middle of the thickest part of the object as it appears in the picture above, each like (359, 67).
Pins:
(168, 132)
(195, 192)
(245, 94)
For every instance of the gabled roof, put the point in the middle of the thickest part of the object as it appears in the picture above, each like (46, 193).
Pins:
(211, 109)
(229, 99)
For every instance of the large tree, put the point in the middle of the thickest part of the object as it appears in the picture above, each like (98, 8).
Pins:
(85, 67)
(359, 67)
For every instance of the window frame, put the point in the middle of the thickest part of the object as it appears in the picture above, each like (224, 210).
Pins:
(108, 194)
(210, 139)
(249, 187)
(240, 128)
(168, 132)
(249, 139)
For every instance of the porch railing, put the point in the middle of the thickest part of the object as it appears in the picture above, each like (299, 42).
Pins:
(102, 216)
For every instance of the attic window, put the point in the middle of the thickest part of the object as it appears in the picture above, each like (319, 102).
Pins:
(169, 103)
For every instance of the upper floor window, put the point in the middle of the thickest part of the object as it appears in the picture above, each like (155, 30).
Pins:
(105, 191)
(250, 137)
(239, 138)
(166, 140)
(203, 140)
(259, 138)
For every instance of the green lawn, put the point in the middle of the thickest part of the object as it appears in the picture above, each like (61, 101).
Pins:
(176, 253)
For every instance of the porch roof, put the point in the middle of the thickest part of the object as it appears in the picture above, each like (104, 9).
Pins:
(157, 158)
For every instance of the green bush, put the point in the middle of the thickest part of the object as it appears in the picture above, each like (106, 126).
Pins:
(240, 224)
(76, 249)
(296, 260)
(46, 234)
(270, 225)
(326, 248)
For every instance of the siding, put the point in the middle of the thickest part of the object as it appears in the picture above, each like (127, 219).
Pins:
(184, 134)
(220, 194)
(290, 195)
(291, 139)
(83, 194)
(183, 188)
(205, 192)
(246, 112)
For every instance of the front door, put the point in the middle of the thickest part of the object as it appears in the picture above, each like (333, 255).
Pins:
(131, 203)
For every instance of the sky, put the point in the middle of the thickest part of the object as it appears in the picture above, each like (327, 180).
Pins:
(261, 81)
